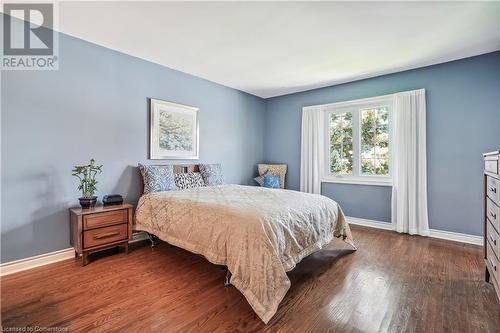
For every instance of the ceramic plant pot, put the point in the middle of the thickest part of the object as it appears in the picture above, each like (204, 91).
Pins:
(88, 202)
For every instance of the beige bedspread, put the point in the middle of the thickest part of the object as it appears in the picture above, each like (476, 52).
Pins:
(258, 233)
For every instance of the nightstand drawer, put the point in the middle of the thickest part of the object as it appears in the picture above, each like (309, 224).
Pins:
(105, 219)
(106, 235)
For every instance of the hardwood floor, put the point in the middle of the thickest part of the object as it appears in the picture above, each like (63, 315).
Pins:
(393, 283)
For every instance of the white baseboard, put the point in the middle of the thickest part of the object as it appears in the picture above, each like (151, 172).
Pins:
(138, 236)
(457, 237)
(441, 234)
(369, 223)
(36, 261)
(49, 258)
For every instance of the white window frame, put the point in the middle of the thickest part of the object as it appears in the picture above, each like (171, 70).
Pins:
(356, 106)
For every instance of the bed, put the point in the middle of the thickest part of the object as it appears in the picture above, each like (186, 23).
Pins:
(259, 234)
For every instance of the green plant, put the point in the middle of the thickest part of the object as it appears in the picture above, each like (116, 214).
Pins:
(86, 174)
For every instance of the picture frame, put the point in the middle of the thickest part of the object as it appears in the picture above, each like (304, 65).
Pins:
(174, 131)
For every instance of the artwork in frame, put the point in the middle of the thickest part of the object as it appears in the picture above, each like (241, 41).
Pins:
(173, 131)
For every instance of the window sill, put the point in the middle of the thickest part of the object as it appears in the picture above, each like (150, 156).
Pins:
(358, 181)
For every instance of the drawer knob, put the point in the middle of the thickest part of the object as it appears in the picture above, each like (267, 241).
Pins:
(106, 235)
(493, 189)
(493, 240)
(493, 215)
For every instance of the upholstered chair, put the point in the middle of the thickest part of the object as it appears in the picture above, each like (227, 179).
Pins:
(275, 170)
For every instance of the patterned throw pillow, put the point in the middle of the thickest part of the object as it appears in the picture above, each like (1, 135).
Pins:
(260, 179)
(212, 174)
(271, 181)
(157, 178)
(188, 180)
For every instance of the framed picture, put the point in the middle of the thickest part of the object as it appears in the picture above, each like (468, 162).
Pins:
(174, 132)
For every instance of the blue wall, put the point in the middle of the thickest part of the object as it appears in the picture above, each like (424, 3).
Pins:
(95, 105)
(463, 121)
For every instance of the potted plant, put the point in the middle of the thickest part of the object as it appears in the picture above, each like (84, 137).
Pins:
(86, 174)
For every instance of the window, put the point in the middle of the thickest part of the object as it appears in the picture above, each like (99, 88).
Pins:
(359, 141)
(375, 141)
(341, 143)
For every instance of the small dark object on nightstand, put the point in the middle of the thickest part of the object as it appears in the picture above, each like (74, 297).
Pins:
(112, 199)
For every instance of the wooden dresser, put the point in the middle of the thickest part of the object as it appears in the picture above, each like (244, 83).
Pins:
(101, 227)
(492, 218)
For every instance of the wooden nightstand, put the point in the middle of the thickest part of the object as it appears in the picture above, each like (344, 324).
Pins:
(101, 227)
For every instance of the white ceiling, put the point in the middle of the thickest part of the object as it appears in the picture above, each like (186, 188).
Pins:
(275, 48)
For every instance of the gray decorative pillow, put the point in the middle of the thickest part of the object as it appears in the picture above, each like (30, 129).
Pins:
(260, 179)
(157, 178)
(188, 180)
(212, 174)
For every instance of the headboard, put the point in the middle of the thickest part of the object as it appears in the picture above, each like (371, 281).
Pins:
(185, 168)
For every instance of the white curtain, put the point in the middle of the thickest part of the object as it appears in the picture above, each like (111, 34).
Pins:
(409, 190)
(311, 157)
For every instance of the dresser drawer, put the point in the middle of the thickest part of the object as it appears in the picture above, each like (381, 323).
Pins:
(491, 164)
(492, 262)
(492, 212)
(106, 235)
(105, 219)
(493, 239)
(493, 189)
